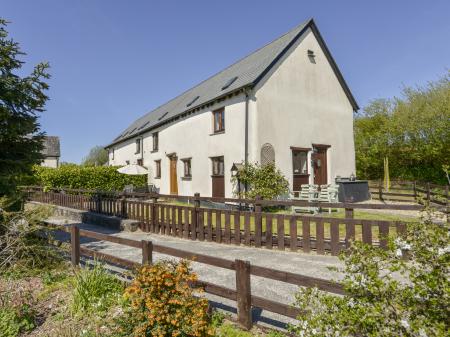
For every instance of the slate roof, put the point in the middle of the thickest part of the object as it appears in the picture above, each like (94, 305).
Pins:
(51, 146)
(245, 72)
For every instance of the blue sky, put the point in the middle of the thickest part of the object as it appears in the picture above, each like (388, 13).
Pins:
(113, 61)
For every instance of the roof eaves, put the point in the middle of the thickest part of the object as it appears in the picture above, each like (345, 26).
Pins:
(170, 119)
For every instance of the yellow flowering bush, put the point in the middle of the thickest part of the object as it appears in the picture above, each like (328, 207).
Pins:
(162, 303)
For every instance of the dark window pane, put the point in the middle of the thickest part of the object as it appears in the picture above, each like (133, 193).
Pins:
(299, 162)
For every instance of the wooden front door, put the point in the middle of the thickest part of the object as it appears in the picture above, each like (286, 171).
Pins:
(217, 177)
(173, 175)
(319, 159)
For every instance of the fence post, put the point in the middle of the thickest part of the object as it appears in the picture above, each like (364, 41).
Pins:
(349, 213)
(75, 245)
(154, 215)
(258, 222)
(380, 190)
(147, 252)
(446, 202)
(123, 206)
(195, 215)
(244, 295)
(428, 193)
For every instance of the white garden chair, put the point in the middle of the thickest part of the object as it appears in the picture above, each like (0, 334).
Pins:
(307, 193)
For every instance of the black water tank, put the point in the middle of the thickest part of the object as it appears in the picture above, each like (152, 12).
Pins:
(353, 191)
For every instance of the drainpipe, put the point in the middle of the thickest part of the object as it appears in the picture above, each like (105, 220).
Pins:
(246, 134)
(246, 127)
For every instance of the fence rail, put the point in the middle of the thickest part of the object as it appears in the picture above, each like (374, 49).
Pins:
(256, 228)
(243, 270)
(411, 191)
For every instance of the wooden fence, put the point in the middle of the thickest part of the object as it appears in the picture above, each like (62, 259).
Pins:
(243, 270)
(411, 191)
(255, 228)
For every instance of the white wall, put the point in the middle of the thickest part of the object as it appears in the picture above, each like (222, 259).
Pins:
(301, 103)
(51, 162)
(192, 138)
(297, 104)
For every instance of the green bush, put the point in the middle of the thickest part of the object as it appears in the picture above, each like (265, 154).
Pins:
(17, 315)
(95, 290)
(105, 178)
(22, 248)
(386, 294)
(264, 180)
(413, 131)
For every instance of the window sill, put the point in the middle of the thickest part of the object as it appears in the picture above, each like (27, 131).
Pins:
(217, 133)
(186, 178)
(217, 175)
(157, 177)
(153, 151)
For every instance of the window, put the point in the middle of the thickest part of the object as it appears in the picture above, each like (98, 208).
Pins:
(138, 145)
(300, 162)
(157, 168)
(155, 141)
(187, 167)
(219, 120)
(127, 162)
(140, 162)
(112, 154)
(217, 166)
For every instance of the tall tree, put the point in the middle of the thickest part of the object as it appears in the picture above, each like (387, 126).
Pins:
(22, 99)
(97, 156)
(413, 131)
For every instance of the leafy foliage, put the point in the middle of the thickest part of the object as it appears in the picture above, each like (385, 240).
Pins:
(163, 304)
(412, 131)
(95, 290)
(104, 178)
(264, 180)
(21, 246)
(15, 319)
(21, 99)
(385, 294)
(97, 156)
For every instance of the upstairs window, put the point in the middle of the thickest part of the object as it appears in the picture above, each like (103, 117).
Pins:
(217, 166)
(112, 154)
(157, 168)
(219, 120)
(138, 146)
(155, 141)
(187, 167)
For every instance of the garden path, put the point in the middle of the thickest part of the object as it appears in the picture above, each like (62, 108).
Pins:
(296, 262)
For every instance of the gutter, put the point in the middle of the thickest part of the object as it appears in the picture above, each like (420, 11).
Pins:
(182, 114)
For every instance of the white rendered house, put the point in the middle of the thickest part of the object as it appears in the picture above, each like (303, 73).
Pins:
(287, 102)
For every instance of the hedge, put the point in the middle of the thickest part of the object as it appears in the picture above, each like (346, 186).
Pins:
(105, 178)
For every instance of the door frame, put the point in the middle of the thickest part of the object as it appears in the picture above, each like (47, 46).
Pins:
(320, 148)
(173, 174)
(218, 179)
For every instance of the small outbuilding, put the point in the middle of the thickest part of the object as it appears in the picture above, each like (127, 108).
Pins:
(51, 151)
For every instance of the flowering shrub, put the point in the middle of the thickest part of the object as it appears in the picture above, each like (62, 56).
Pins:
(386, 294)
(163, 304)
